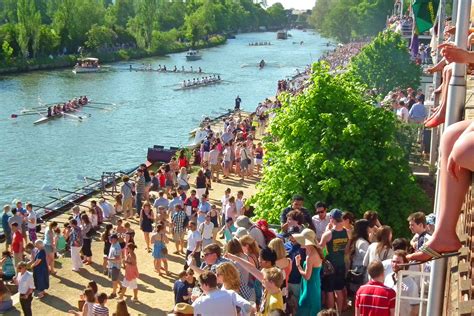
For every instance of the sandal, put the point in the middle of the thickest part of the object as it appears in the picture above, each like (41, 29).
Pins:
(434, 255)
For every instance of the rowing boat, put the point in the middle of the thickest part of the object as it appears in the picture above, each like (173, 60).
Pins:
(199, 85)
(46, 119)
(178, 71)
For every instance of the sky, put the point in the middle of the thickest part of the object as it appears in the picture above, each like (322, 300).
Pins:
(294, 4)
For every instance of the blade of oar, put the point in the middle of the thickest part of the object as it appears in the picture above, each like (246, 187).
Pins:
(103, 103)
(79, 118)
(47, 188)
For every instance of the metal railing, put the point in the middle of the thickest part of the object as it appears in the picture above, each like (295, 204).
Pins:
(421, 278)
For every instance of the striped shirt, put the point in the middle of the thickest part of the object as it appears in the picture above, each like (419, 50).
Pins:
(375, 299)
(99, 310)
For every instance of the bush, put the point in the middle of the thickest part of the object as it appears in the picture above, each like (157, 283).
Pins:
(330, 143)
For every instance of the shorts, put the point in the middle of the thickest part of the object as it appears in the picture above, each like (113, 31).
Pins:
(114, 274)
(227, 164)
(336, 281)
(215, 168)
(48, 249)
(8, 238)
(258, 161)
(169, 183)
(178, 236)
(205, 156)
(132, 284)
(244, 165)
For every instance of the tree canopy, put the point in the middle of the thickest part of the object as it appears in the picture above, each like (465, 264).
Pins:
(385, 63)
(350, 19)
(331, 144)
(33, 27)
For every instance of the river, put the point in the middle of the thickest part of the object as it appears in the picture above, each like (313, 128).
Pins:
(147, 112)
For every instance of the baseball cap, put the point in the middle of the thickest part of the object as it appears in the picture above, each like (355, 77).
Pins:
(336, 214)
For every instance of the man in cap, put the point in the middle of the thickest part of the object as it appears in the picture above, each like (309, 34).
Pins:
(244, 222)
(336, 240)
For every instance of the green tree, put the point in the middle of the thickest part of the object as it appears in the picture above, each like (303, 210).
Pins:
(145, 22)
(100, 36)
(277, 16)
(332, 144)
(29, 22)
(7, 51)
(385, 64)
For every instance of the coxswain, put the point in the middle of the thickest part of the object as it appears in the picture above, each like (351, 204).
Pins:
(49, 111)
(182, 68)
(200, 70)
(192, 69)
(131, 67)
(183, 85)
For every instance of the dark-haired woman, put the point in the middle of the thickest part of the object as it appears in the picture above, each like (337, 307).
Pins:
(105, 238)
(131, 272)
(358, 246)
(86, 227)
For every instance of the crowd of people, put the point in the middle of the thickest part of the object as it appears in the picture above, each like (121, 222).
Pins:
(342, 54)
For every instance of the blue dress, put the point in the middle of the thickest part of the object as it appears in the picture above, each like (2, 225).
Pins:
(310, 294)
(158, 246)
(41, 272)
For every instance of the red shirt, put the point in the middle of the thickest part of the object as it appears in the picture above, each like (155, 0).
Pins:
(182, 162)
(17, 242)
(375, 299)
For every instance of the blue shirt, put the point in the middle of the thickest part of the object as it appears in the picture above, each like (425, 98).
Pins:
(114, 252)
(5, 225)
(180, 289)
(161, 202)
(293, 250)
(417, 112)
(204, 207)
(176, 201)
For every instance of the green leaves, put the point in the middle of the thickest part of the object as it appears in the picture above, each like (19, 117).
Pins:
(331, 144)
(385, 64)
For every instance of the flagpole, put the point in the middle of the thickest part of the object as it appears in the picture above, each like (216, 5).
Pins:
(455, 104)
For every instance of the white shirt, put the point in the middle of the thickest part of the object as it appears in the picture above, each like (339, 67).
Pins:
(193, 238)
(214, 157)
(372, 255)
(230, 211)
(225, 201)
(32, 216)
(217, 303)
(227, 153)
(409, 289)
(402, 114)
(206, 230)
(25, 282)
(320, 225)
(107, 209)
(239, 204)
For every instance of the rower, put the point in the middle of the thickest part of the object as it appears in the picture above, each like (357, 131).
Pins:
(262, 64)
(164, 67)
(130, 67)
(183, 84)
(175, 69)
(182, 68)
(85, 100)
(192, 69)
(189, 82)
(80, 100)
(200, 70)
(65, 107)
(218, 77)
(49, 111)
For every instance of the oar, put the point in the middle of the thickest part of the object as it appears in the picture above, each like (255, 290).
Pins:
(79, 118)
(97, 107)
(84, 178)
(103, 103)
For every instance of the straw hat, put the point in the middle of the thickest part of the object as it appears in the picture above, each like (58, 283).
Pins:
(307, 237)
(182, 309)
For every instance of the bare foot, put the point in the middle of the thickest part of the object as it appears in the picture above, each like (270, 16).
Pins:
(446, 245)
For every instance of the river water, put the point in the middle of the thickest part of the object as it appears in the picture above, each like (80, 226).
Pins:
(147, 111)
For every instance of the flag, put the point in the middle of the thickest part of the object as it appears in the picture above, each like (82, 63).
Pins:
(425, 12)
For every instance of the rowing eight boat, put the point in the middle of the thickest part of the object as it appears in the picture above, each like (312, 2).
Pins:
(199, 85)
(45, 119)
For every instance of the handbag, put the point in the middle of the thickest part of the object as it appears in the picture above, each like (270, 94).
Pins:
(328, 268)
(357, 275)
(247, 157)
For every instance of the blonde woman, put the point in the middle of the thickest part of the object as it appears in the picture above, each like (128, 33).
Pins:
(228, 276)
(282, 262)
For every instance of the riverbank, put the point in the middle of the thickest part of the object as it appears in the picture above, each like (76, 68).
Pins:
(66, 286)
(68, 61)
